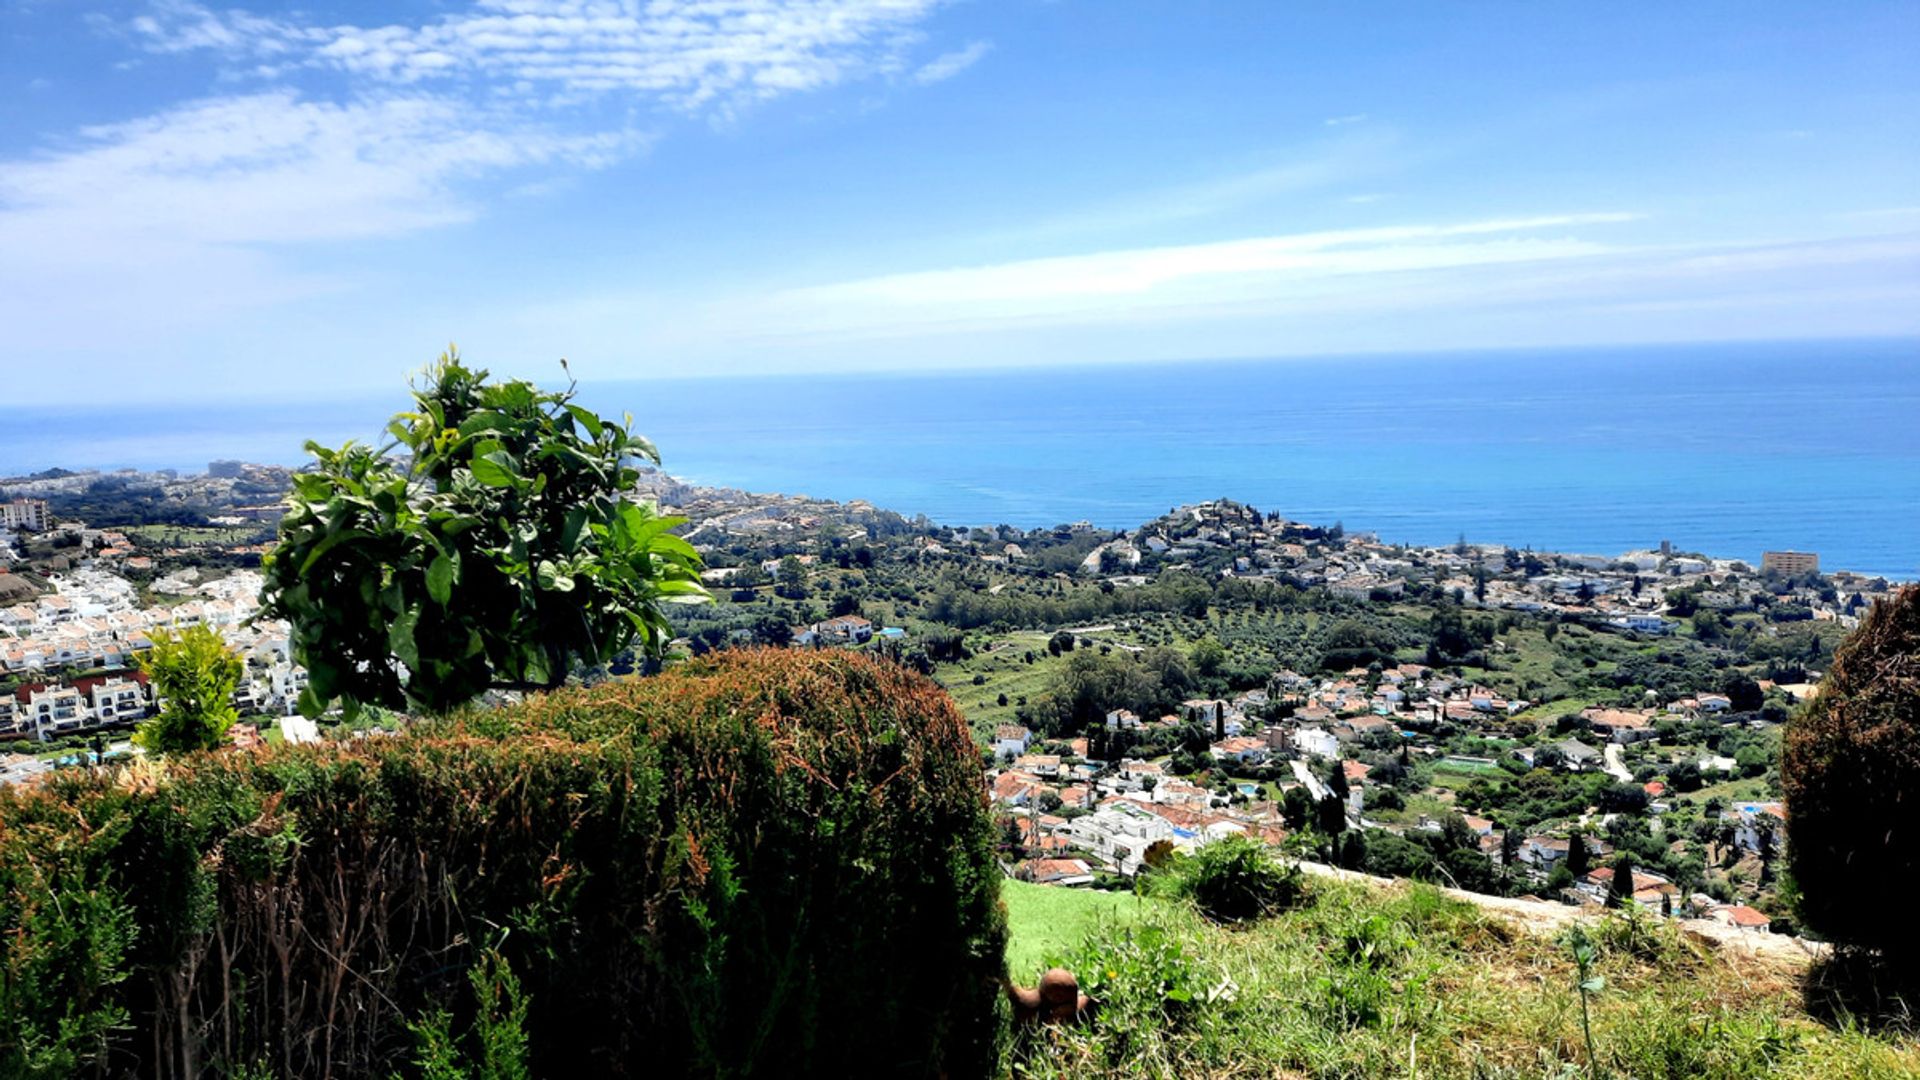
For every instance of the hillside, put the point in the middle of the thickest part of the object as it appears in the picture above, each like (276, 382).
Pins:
(1395, 980)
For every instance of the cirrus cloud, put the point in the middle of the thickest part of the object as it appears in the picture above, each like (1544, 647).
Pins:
(685, 54)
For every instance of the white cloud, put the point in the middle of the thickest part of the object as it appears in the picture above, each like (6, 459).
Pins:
(272, 168)
(1093, 291)
(950, 64)
(1481, 284)
(1343, 121)
(219, 205)
(1173, 274)
(686, 54)
(182, 213)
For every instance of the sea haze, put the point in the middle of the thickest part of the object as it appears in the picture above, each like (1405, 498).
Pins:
(1725, 449)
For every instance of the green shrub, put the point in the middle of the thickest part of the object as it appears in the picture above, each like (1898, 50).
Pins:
(1235, 878)
(774, 863)
(1850, 770)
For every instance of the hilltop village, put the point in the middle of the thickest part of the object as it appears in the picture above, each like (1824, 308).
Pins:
(1504, 720)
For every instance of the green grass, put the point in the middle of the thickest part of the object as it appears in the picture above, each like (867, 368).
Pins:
(189, 536)
(1005, 673)
(1468, 768)
(1746, 789)
(1547, 712)
(1372, 981)
(1044, 921)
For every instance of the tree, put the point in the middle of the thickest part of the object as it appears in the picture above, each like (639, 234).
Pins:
(1849, 767)
(1296, 806)
(1623, 799)
(193, 675)
(500, 552)
(1684, 776)
(1743, 693)
(1577, 854)
(1352, 849)
(1208, 656)
(1337, 780)
(1620, 891)
(1330, 815)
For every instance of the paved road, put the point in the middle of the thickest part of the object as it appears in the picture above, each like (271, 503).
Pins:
(1616, 767)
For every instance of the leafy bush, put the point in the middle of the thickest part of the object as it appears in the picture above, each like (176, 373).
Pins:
(1850, 770)
(773, 862)
(1236, 878)
(503, 550)
(1358, 986)
(194, 674)
(1137, 968)
(1150, 992)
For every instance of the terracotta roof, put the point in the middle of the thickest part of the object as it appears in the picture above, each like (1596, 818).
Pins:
(1055, 869)
(1742, 915)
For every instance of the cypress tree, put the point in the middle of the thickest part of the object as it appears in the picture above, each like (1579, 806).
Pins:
(1850, 771)
(1620, 893)
(1577, 854)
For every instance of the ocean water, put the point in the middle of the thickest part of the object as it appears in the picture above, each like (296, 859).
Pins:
(1725, 449)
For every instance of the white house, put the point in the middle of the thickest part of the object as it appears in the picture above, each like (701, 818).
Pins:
(1010, 740)
(57, 710)
(1317, 742)
(118, 699)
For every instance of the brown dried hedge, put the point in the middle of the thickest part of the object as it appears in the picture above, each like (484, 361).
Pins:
(771, 863)
(1850, 767)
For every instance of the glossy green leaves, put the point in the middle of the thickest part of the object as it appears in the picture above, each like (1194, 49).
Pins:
(494, 544)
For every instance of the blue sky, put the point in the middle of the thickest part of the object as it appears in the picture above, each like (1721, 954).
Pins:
(203, 200)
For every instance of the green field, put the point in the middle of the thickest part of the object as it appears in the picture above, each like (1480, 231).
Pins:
(1004, 673)
(1044, 920)
(179, 536)
(1747, 789)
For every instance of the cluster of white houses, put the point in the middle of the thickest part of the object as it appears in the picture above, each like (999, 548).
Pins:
(91, 625)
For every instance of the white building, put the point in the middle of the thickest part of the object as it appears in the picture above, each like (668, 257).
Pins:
(1121, 834)
(118, 699)
(25, 515)
(1317, 742)
(57, 710)
(1010, 740)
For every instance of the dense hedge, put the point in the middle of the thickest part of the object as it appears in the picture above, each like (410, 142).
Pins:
(1850, 769)
(773, 863)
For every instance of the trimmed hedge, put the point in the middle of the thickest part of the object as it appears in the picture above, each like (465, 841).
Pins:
(1850, 771)
(773, 863)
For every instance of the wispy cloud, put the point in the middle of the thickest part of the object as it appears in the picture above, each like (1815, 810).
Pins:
(1343, 121)
(207, 206)
(1170, 274)
(1473, 284)
(183, 211)
(950, 64)
(272, 168)
(686, 54)
(1336, 159)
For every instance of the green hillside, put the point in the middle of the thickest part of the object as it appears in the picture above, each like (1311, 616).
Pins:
(1372, 981)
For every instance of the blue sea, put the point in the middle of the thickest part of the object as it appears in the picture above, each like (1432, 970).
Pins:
(1724, 449)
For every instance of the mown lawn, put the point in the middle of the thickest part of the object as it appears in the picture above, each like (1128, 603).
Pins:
(1044, 921)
